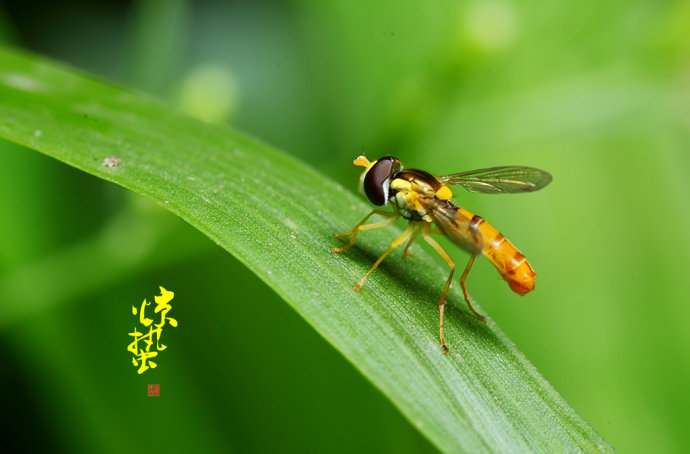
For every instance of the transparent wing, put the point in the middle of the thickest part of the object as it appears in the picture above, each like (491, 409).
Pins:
(500, 180)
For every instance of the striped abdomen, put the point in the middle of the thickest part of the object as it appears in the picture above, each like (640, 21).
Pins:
(510, 262)
(476, 236)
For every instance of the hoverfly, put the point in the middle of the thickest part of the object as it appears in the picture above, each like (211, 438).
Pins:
(424, 200)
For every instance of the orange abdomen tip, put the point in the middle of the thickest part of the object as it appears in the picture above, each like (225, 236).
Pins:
(510, 263)
(521, 279)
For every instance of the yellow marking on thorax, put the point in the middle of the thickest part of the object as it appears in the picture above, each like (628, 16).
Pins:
(413, 201)
(401, 185)
(408, 199)
(444, 193)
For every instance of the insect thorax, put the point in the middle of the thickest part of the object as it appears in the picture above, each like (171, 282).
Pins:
(407, 204)
(408, 189)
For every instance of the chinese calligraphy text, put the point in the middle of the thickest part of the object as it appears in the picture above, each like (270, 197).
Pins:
(142, 343)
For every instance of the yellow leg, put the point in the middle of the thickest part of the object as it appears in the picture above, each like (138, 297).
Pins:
(397, 242)
(464, 275)
(392, 217)
(407, 253)
(442, 302)
(464, 288)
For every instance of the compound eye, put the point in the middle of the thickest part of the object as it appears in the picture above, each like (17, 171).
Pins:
(377, 181)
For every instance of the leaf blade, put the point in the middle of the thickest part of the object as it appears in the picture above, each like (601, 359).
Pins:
(277, 216)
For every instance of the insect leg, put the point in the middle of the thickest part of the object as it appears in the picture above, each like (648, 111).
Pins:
(399, 240)
(464, 289)
(407, 253)
(392, 217)
(441, 302)
(464, 275)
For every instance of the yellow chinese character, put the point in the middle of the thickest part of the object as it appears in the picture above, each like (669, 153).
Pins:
(144, 353)
(163, 306)
(142, 318)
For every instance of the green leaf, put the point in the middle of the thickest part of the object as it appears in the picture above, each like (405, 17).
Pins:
(278, 216)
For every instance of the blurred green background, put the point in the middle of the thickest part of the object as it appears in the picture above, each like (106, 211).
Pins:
(596, 93)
